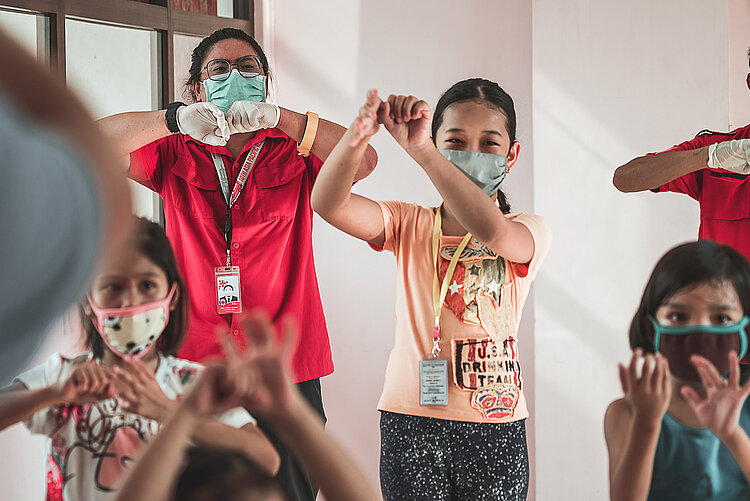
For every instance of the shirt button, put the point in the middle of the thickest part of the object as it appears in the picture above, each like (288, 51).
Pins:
(236, 206)
(236, 332)
(236, 245)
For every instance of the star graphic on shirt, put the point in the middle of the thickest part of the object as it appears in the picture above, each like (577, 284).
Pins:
(494, 286)
(455, 288)
(474, 270)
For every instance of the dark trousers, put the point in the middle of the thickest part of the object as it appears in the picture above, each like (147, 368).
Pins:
(428, 459)
(292, 476)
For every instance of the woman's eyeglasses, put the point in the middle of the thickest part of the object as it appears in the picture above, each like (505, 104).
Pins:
(219, 69)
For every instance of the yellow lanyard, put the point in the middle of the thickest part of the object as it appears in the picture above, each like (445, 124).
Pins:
(439, 292)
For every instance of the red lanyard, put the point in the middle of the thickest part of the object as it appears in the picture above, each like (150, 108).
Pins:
(239, 185)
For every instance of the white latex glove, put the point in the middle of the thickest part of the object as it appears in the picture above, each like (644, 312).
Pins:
(249, 116)
(731, 155)
(204, 122)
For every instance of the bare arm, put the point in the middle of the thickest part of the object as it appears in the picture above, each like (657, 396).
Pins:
(332, 195)
(216, 390)
(739, 445)
(17, 403)
(474, 209)
(248, 440)
(48, 103)
(633, 423)
(277, 401)
(141, 394)
(293, 125)
(330, 464)
(154, 473)
(132, 130)
(631, 445)
(88, 382)
(651, 171)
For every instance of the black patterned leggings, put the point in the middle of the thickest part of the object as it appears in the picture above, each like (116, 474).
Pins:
(436, 459)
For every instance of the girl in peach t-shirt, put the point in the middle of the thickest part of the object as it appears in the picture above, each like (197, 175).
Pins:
(453, 410)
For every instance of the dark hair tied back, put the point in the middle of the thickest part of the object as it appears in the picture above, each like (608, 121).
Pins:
(482, 91)
(197, 59)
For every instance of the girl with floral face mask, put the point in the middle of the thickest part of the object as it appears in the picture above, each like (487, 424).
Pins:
(680, 431)
(98, 408)
(453, 408)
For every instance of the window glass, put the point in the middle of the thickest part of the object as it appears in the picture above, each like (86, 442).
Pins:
(29, 29)
(221, 8)
(115, 69)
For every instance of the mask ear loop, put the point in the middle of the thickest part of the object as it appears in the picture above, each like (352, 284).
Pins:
(657, 333)
(743, 337)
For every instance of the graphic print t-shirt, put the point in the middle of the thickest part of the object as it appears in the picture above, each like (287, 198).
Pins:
(479, 319)
(91, 445)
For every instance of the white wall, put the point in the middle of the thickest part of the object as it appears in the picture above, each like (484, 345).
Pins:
(326, 55)
(612, 80)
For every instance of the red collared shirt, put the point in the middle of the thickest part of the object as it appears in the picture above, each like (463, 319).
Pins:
(271, 238)
(724, 196)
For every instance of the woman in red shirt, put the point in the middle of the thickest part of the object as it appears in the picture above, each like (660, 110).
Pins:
(236, 174)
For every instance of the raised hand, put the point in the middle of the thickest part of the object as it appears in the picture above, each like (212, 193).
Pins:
(216, 390)
(720, 410)
(408, 119)
(366, 123)
(204, 122)
(139, 392)
(89, 382)
(249, 116)
(266, 365)
(650, 392)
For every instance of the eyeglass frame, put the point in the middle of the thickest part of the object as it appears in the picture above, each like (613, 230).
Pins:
(230, 64)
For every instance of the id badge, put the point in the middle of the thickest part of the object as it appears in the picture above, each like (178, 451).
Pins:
(433, 381)
(228, 297)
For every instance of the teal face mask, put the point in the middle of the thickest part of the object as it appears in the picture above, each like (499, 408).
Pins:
(486, 170)
(235, 88)
(712, 342)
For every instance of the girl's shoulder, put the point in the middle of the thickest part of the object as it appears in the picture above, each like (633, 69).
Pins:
(403, 209)
(56, 368)
(618, 413)
(68, 364)
(184, 371)
(535, 222)
(617, 420)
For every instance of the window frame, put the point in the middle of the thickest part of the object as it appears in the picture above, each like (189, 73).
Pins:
(162, 18)
(156, 15)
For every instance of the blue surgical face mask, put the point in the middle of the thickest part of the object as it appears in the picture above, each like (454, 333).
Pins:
(713, 342)
(235, 88)
(486, 170)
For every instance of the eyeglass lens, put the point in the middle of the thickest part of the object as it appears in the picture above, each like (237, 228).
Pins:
(219, 69)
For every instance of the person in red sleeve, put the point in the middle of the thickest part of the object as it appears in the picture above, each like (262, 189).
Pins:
(235, 174)
(713, 168)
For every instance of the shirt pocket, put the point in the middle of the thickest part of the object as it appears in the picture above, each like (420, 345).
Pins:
(725, 196)
(279, 188)
(194, 190)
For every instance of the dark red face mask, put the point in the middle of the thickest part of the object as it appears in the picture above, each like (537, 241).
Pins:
(712, 342)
